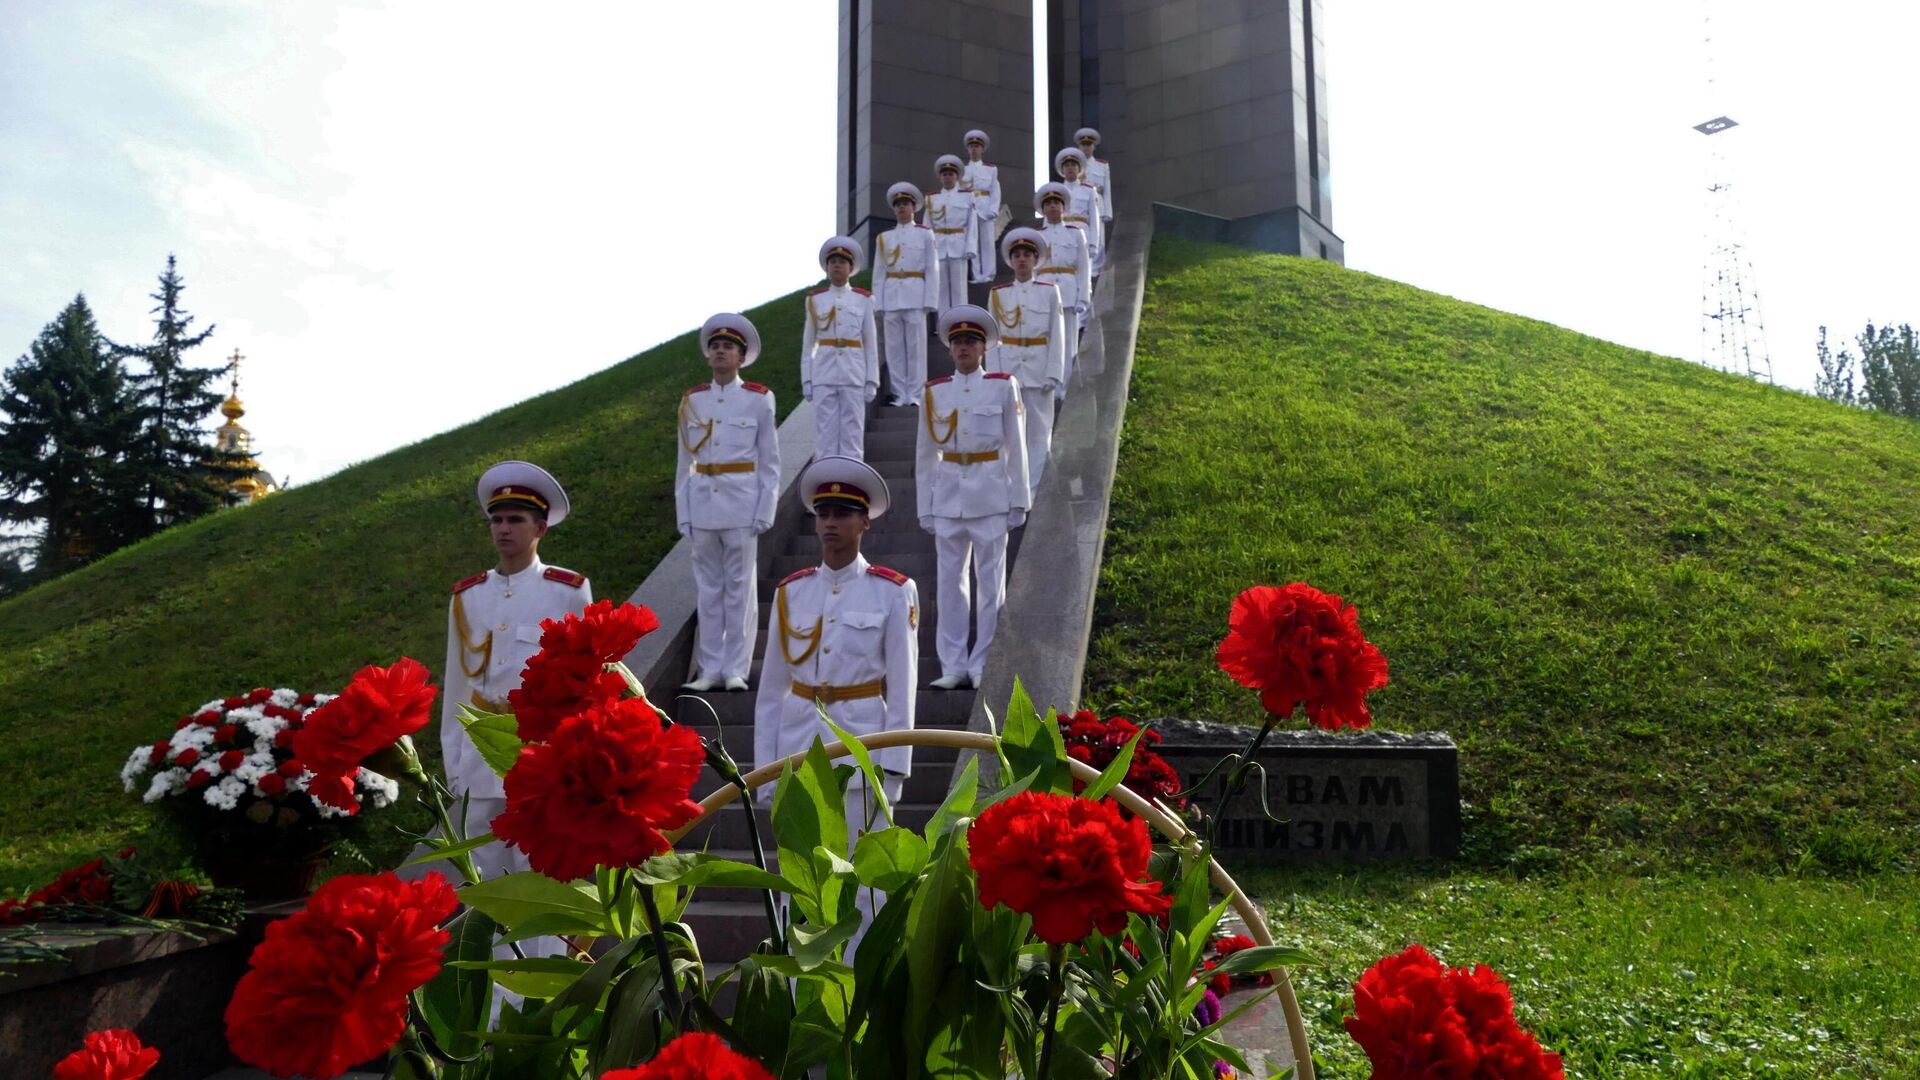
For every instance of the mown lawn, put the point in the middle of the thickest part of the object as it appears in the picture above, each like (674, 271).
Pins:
(307, 586)
(1671, 616)
(1726, 976)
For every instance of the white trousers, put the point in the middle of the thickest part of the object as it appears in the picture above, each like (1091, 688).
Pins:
(981, 541)
(903, 342)
(840, 421)
(499, 860)
(728, 588)
(986, 242)
(1038, 402)
(953, 282)
(863, 815)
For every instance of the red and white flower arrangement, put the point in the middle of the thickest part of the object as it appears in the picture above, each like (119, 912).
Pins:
(280, 756)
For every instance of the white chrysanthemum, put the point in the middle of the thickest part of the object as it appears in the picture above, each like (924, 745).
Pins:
(164, 783)
(137, 763)
(225, 795)
(254, 767)
(193, 736)
(384, 792)
(285, 698)
(214, 706)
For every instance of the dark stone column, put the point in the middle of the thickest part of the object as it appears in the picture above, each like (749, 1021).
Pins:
(914, 76)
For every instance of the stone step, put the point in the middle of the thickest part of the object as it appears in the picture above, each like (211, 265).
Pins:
(726, 831)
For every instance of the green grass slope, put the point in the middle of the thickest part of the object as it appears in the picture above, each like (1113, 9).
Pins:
(1672, 616)
(305, 587)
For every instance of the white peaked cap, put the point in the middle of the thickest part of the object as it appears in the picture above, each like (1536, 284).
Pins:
(1033, 236)
(1086, 133)
(522, 482)
(1056, 189)
(735, 327)
(976, 133)
(844, 245)
(972, 317)
(845, 478)
(904, 188)
(945, 160)
(1070, 153)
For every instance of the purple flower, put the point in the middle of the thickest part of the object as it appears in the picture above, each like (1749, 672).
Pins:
(1208, 1011)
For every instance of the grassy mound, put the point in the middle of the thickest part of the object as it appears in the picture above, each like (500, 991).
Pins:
(1672, 616)
(304, 588)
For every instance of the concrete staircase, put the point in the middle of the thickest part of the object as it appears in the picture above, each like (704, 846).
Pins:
(727, 928)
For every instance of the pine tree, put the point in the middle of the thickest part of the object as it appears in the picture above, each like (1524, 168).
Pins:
(173, 402)
(68, 421)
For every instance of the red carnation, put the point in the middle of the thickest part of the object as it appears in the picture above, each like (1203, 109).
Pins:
(328, 987)
(271, 784)
(233, 702)
(198, 779)
(226, 733)
(115, 1054)
(601, 790)
(186, 758)
(1233, 943)
(377, 708)
(569, 673)
(291, 768)
(1072, 864)
(1222, 983)
(1416, 1019)
(1300, 646)
(159, 753)
(1096, 742)
(185, 721)
(258, 694)
(305, 699)
(283, 738)
(231, 760)
(696, 1055)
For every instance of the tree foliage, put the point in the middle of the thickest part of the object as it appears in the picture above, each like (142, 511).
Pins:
(170, 454)
(1885, 376)
(69, 418)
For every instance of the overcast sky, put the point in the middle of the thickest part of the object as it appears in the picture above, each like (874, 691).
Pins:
(410, 215)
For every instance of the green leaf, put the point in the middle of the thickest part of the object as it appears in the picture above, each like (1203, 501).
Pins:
(1264, 958)
(626, 1038)
(1116, 770)
(808, 812)
(533, 976)
(581, 999)
(814, 945)
(458, 1001)
(936, 922)
(495, 735)
(515, 898)
(763, 1011)
(1024, 783)
(689, 870)
(889, 859)
(958, 804)
(551, 924)
(860, 754)
(472, 843)
(1032, 743)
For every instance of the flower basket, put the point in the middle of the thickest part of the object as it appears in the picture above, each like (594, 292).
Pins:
(1156, 816)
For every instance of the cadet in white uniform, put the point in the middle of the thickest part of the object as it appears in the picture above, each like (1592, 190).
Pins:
(1069, 264)
(970, 475)
(493, 627)
(1099, 172)
(843, 633)
(1083, 209)
(1032, 342)
(723, 491)
(982, 178)
(906, 285)
(950, 213)
(839, 358)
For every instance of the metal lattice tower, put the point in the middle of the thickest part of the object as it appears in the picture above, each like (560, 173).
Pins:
(1733, 336)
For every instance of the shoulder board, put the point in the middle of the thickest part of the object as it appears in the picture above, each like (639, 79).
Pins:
(818, 291)
(990, 163)
(467, 583)
(1046, 281)
(1101, 160)
(892, 575)
(1004, 285)
(754, 386)
(1074, 225)
(940, 380)
(565, 577)
(697, 389)
(861, 291)
(918, 225)
(999, 375)
(797, 575)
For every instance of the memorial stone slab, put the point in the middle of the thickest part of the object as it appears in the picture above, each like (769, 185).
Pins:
(1340, 796)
